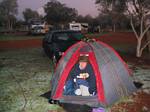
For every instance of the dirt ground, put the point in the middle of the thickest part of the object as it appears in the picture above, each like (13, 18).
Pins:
(141, 104)
(141, 100)
(111, 38)
(15, 44)
(119, 37)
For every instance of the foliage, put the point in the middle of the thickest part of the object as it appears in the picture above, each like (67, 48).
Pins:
(2, 17)
(85, 19)
(8, 10)
(57, 12)
(114, 8)
(80, 18)
(139, 13)
(30, 14)
(104, 20)
(19, 24)
(138, 10)
(9, 7)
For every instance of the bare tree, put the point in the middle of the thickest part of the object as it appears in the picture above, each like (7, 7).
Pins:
(139, 11)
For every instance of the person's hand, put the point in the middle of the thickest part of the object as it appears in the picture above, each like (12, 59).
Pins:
(83, 75)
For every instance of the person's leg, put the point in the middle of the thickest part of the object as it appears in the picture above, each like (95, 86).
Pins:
(69, 88)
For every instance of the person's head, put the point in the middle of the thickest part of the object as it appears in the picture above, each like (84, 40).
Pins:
(83, 61)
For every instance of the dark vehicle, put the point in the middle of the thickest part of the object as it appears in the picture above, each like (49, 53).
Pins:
(56, 43)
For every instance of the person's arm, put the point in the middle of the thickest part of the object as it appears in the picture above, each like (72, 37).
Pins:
(91, 80)
(73, 73)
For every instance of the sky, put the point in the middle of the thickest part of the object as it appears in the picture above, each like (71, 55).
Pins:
(83, 7)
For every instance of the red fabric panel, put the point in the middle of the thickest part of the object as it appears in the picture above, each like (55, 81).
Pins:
(73, 60)
(126, 66)
(99, 83)
(66, 53)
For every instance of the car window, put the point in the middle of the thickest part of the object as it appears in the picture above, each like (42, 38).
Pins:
(75, 36)
(60, 37)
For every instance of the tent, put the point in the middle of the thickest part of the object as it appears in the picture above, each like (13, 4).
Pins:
(113, 78)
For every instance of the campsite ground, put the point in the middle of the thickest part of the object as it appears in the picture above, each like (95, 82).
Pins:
(25, 74)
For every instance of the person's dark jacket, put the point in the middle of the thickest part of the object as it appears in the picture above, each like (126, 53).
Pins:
(91, 79)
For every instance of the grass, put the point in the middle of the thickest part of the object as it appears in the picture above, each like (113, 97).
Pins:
(4, 37)
(96, 35)
(123, 48)
(18, 37)
(25, 75)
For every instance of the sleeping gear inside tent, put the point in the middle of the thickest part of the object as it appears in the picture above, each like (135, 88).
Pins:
(107, 76)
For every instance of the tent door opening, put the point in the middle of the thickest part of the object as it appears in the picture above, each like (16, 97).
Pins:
(80, 82)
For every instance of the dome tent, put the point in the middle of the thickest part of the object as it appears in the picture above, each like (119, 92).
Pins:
(113, 79)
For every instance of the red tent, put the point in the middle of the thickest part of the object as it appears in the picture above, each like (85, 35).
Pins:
(112, 75)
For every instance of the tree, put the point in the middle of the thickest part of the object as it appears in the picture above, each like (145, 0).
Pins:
(8, 9)
(2, 17)
(30, 14)
(89, 19)
(114, 8)
(58, 13)
(85, 19)
(138, 10)
(80, 18)
(104, 20)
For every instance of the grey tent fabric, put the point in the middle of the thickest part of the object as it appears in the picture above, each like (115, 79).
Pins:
(116, 80)
(61, 67)
(113, 72)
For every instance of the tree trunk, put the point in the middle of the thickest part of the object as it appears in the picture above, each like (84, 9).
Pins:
(9, 25)
(62, 26)
(138, 48)
(99, 29)
(148, 39)
(114, 27)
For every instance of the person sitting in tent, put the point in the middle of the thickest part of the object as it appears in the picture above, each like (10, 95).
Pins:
(81, 80)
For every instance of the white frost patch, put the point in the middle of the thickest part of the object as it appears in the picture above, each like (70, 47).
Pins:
(24, 76)
(142, 75)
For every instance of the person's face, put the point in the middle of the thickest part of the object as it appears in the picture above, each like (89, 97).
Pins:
(82, 64)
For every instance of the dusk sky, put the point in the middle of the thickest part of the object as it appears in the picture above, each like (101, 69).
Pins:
(84, 7)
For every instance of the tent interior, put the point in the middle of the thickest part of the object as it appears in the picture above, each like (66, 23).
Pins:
(81, 84)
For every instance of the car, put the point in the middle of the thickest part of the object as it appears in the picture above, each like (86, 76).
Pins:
(55, 43)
